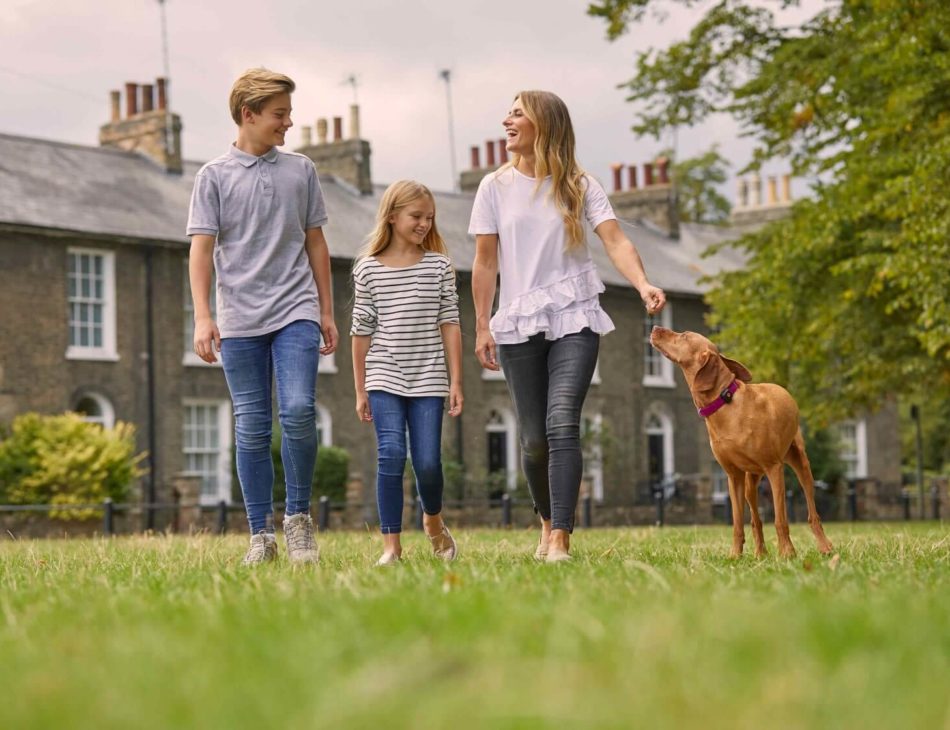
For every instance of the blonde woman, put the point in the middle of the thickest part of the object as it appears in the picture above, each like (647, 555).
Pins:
(528, 222)
(405, 328)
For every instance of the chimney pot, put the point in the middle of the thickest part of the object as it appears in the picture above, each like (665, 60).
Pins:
(647, 174)
(162, 87)
(786, 188)
(502, 152)
(131, 100)
(663, 163)
(307, 135)
(337, 129)
(632, 177)
(147, 98)
(489, 153)
(617, 169)
(321, 131)
(354, 121)
(476, 162)
(115, 102)
(772, 191)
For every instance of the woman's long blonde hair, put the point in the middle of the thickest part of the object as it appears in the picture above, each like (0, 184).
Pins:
(554, 156)
(397, 196)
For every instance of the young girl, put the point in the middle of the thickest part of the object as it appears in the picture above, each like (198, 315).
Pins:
(405, 327)
(528, 222)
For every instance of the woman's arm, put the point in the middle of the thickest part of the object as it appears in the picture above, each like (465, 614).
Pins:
(625, 258)
(484, 274)
(360, 346)
(319, 255)
(452, 342)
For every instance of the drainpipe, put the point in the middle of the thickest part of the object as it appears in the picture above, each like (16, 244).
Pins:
(150, 370)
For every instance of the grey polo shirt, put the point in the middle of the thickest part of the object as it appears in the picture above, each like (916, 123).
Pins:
(259, 209)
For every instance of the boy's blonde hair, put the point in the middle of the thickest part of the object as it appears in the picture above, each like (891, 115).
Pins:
(254, 88)
(554, 156)
(397, 196)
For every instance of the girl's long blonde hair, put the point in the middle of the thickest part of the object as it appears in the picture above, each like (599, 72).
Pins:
(554, 156)
(397, 196)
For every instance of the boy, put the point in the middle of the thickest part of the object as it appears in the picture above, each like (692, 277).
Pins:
(257, 214)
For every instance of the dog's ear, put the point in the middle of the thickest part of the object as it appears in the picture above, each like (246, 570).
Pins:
(708, 370)
(738, 369)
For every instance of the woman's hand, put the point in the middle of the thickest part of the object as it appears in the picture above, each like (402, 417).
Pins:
(363, 411)
(485, 349)
(654, 298)
(455, 399)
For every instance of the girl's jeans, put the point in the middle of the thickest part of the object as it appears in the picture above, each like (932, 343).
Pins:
(392, 414)
(548, 381)
(290, 353)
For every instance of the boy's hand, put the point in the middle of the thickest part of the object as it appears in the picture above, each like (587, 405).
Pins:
(455, 399)
(362, 408)
(330, 336)
(207, 339)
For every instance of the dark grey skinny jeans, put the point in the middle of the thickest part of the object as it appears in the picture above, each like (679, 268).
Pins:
(548, 381)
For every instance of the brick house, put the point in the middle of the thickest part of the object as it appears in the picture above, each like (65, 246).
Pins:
(97, 314)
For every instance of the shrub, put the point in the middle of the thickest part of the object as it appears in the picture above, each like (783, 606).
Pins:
(65, 460)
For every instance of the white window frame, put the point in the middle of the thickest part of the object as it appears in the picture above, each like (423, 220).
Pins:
(498, 374)
(666, 431)
(107, 351)
(225, 446)
(859, 457)
(595, 467)
(665, 377)
(509, 426)
(325, 423)
(107, 417)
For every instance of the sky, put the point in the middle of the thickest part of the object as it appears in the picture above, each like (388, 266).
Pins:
(60, 58)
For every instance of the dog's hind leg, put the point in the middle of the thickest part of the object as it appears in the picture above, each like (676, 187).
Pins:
(776, 474)
(736, 477)
(752, 497)
(797, 458)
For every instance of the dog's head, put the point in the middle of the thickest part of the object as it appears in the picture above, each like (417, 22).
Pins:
(697, 356)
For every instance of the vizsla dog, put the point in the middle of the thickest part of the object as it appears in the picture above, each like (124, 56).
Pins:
(753, 430)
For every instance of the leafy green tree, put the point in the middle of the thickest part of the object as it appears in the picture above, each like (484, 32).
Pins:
(846, 299)
(698, 199)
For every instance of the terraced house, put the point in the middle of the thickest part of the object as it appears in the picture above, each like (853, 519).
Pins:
(97, 313)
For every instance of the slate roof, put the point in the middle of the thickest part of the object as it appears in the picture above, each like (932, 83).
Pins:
(100, 191)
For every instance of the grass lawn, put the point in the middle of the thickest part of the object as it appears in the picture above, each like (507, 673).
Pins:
(644, 628)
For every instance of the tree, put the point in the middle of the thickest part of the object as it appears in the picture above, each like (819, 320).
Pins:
(846, 299)
(697, 198)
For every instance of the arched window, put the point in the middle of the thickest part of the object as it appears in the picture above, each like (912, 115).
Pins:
(95, 408)
(324, 426)
(502, 433)
(657, 370)
(659, 431)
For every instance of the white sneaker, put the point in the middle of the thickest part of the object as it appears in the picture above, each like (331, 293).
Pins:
(263, 548)
(298, 532)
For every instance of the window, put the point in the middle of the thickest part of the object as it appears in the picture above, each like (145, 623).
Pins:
(190, 357)
(852, 448)
(206, 445)
(657, 370)
(493, 374)
(592, 445)
(501, 432)
(324, 426)
(659, 431)
(94, 408)
(90, 296)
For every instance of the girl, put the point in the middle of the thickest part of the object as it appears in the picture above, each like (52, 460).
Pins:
(405, 327)
(528, 221)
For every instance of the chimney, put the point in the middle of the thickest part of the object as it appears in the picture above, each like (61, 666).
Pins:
(476, 159)
(153, 133)
(354, 121)
(346, 160)
(632, 177)
(502, 151)
(786, 188)
(147, 98)
(742, 193)
(489, 154)
(617, 169)
(772, 191)
(647, 174)
(755, 191)
(663, 163)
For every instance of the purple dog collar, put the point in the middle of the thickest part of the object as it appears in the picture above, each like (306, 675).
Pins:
(724, 397)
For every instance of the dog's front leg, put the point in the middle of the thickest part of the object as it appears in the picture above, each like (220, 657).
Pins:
(736, 487)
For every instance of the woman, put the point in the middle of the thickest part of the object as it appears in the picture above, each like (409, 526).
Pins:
(528, 223)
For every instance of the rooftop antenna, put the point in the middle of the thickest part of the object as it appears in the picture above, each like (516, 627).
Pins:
(353, 81)
(446, 75)
(169, 133)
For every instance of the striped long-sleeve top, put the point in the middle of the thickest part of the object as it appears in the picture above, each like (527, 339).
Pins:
(403, 310)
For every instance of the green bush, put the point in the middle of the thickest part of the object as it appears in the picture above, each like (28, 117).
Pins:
(65, 460)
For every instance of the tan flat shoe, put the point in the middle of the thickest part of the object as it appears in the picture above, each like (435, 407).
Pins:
(443, 544)
(542, 550)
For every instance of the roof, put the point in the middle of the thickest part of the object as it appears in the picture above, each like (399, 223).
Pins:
(102, 191)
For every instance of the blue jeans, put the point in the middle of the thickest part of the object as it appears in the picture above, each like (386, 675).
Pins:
(292, 354)
(391, 416)
(548, 381)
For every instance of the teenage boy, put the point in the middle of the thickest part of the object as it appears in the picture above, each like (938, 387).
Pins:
(256, 218)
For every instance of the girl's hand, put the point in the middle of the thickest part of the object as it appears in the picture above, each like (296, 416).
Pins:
(654, 299)
(455, 399)
(362, 408)
(485, 349)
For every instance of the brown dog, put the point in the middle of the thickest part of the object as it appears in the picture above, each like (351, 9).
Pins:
(753, 430)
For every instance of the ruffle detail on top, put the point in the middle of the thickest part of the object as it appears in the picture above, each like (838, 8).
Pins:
(562, 308)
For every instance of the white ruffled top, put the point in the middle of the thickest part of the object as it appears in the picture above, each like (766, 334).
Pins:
(544, 288)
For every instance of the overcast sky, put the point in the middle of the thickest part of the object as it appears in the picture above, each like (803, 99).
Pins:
(60, 58)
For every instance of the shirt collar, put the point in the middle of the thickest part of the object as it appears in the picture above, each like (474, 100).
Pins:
(248, 159)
